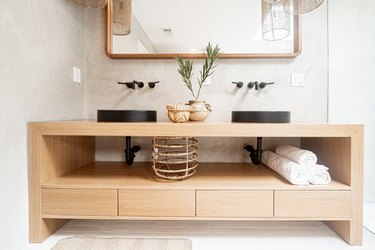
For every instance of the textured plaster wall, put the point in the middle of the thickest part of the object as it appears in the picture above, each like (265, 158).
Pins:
(307, 104)
(351, 84)
(40, 42)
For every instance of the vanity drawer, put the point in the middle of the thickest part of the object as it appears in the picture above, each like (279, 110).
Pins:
(79, 202)
(313, 204)
(147, 202)
(233, 204)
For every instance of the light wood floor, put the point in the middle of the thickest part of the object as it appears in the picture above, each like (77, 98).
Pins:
(217, 235)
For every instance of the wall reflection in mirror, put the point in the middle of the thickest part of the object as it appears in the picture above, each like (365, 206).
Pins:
(185, 26)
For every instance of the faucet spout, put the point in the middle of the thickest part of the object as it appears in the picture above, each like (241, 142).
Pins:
(262, 85)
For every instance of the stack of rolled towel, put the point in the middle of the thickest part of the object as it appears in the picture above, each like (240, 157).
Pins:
(297, 165)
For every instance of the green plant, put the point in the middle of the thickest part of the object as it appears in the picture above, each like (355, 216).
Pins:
(186, 68)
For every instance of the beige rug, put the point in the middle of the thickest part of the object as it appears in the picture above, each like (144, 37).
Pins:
(101, 243)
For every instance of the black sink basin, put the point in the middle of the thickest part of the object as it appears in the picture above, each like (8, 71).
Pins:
(261, 116)
(127, 115)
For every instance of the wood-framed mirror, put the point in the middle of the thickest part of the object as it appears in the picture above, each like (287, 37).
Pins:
(163, 28)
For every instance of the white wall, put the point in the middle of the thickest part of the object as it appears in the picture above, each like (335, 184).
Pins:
(40, 41)
(351, 27)
(307, 104)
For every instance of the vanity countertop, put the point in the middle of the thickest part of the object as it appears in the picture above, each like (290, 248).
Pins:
(204, 129)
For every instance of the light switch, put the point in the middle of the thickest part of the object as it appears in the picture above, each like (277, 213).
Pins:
(76, 75)
(298, 79)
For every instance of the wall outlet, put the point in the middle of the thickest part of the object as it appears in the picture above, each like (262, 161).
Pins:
(76, 75)
(298, 79)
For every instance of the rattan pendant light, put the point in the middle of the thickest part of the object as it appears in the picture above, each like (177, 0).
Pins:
(122, 17)
(275, 21)
(92, 3)
(297, 7)
(272, 1)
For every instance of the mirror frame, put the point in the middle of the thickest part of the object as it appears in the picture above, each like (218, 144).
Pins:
(109, 42)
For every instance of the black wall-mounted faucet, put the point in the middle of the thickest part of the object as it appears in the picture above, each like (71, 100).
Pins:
(262, 85)
(131, 85)
(140, 84)
(251, 85)
(238, 84)
(257, 85)
(152, 84)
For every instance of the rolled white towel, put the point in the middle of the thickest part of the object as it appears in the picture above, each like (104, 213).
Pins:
(293, 172)
(301, 156)
(318, 175)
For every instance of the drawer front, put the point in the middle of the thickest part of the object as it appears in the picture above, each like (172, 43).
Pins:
(157, 203)
(235, 204)
(312, 204)
(79, 202)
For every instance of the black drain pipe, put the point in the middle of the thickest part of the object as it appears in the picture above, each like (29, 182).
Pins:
(255, 154)
(130, 151)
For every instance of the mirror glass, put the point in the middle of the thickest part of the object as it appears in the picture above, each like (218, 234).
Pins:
(162, 28)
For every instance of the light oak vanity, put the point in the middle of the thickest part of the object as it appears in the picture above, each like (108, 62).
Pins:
(65, 182)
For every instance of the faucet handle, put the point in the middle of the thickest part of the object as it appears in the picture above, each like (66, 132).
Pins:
(239, 84)
(152, 84)
(130, 85)
(251, 85)
(140, 84)
(262, 85)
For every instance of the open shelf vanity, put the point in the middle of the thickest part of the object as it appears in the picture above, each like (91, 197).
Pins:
(65, 182)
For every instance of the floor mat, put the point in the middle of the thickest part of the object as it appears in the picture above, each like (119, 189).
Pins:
(117, 243)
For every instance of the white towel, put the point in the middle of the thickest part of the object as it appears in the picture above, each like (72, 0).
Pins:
(318, 175)
(301, 156)
(293, 172)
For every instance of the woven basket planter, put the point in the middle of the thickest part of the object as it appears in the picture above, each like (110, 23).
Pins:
(174, 158)
(178, 113)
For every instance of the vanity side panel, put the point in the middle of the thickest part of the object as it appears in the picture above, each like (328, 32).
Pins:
(48, 158)
(39, 229)
(344, 157)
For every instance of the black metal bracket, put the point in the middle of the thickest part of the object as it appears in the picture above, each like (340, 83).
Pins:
(130, 151)
(255, 154)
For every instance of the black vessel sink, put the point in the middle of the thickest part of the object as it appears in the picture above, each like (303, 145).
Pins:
(261, 116)
(127, 115)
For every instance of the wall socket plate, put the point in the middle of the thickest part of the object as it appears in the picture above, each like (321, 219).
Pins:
(76, 75)
(298, 80)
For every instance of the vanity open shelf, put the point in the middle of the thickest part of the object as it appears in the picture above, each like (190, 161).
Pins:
(65, 182)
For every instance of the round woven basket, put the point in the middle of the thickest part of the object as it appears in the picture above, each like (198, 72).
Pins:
(179, 112)
(174, 158)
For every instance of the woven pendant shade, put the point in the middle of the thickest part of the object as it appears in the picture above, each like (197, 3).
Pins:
(297, 7)
(272, 1)
(275, 21)
(92, 3)
(122, 17)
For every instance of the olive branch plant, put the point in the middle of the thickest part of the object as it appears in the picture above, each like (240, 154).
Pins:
(211, 54)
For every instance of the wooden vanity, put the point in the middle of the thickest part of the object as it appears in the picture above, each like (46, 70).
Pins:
(65, 182)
